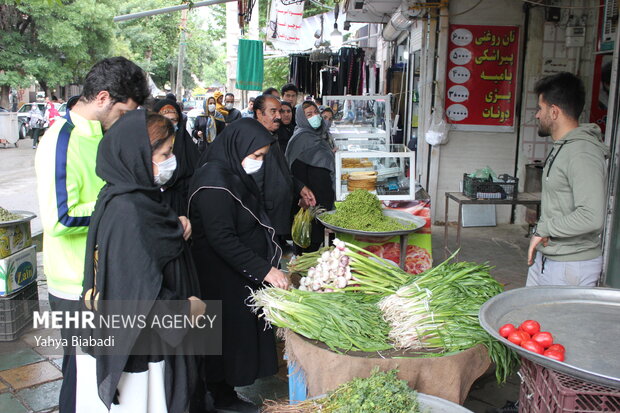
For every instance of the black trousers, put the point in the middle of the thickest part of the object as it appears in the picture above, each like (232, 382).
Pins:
(66, 402)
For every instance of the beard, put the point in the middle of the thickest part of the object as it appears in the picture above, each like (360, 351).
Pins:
(543, 130)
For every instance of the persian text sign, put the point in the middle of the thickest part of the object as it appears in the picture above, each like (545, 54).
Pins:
(482, 77)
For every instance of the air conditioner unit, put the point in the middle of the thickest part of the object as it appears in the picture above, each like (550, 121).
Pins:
(610, 25)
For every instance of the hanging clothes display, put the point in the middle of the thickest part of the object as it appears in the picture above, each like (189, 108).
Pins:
(344, 73)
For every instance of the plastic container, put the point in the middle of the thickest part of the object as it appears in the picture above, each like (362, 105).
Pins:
(544, 390)
(18, 270)
(478, 188)
(16, 311)
(15, 235)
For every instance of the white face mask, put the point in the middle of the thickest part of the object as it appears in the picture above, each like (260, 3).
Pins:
(211, 107)
(315, 121)
(229, 106)
(251, 166)
(166, 169)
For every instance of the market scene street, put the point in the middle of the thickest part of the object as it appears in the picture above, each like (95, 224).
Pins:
(281, 206)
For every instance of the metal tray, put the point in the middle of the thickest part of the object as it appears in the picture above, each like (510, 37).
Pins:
(585, 320)
(404, 217)
(26, 216)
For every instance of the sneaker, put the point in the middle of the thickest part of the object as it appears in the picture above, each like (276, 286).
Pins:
(509, 407)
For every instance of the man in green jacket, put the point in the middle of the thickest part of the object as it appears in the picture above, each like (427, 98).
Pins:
(565, 248)
(68, 186)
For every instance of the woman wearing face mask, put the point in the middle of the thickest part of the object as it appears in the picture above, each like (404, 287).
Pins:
(235, 251)
(312, 161)
(186, 154)
(328, 117)
(285, 131)
(135, 254)
(208, 125)
(219, 103)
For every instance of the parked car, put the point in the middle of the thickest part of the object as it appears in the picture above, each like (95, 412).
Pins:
(3, 109)
(23, 118)
(191, 119)
(62, 109)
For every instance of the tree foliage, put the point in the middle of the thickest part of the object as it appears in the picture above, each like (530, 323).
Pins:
(276, 72)
(52, 42)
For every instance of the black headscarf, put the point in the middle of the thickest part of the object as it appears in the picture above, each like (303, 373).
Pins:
(133, 234)
(184, 148)
(221, 167)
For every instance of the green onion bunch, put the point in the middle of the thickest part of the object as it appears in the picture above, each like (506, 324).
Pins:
(438, 313)
(344, 322)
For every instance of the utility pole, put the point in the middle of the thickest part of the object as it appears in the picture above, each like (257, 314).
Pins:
(182, 44)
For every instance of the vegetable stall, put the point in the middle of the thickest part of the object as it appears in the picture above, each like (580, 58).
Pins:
(354, 311)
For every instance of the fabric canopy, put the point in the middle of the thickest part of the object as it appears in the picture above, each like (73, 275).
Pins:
(250, 69)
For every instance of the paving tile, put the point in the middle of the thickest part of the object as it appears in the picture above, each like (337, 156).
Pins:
(58, 362)
(31, 375)
(18, 358)
(8, 404)
(43, 397)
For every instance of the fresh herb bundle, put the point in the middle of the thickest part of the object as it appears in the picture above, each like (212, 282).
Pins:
(381, 392)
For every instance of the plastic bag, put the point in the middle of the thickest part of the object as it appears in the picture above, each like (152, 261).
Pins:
(485, 173)
(302, 228)
(437, 133)
(302, 225)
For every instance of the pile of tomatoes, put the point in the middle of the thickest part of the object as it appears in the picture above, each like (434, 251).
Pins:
(529, 336)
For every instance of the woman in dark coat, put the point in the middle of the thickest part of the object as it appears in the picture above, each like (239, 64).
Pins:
(135, 253)
(235, 251)
(186, 153)
(312, 162)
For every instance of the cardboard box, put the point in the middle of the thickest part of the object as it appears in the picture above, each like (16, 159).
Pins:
(18, 270)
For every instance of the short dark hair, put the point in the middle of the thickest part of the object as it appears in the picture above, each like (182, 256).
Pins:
(120, 77)
(259, 103)
(72, 101)
(229, 94)
(171, 96)
(326, 109)
(307, 104)
(564, 90)
(288, 87)
(270, 91)
(252, 99)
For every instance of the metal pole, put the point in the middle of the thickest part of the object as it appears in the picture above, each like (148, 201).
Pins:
(164, 10)
(182, 44)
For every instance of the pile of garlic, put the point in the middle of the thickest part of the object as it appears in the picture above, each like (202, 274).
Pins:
(331, 272)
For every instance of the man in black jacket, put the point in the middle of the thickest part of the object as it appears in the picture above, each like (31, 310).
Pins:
(279, 186)
(233, 114)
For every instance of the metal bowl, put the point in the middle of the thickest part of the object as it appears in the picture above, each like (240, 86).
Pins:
(583, 319)
(26, 216)
(430, 404)
(405, 218)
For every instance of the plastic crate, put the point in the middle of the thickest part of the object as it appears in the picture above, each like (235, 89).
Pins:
(16, 311)
(547, 391)
(478, 188)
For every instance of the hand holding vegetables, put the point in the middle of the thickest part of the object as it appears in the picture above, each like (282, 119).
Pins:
(277, 278)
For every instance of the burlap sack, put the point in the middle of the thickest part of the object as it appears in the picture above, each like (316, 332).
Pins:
(449, 377)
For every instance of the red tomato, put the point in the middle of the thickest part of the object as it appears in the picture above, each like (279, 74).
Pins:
(557, 347)
(518, 336)
(543, 338)
(530, 326)
(531, 345)
(506, 329)
(555, 355)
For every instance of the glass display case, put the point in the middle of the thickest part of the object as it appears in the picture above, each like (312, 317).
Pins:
(360, 119)
(387, 173)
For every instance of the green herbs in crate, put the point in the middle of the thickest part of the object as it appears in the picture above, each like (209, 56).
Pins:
(362, 211)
